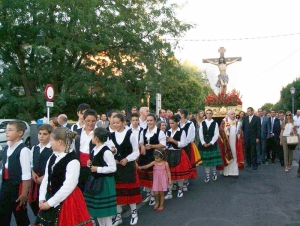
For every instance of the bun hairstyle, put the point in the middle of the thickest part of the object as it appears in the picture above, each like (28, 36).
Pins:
(102, 134)
(159, 153)
(65, 135)
(175, 118)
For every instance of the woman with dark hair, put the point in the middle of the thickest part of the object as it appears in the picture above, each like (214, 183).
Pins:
(102, 164)
(151, 138)
(61, 201)
(190, 149)
(125, 145)
(177, 158)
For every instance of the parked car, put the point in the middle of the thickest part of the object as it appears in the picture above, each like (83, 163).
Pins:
(3, 141)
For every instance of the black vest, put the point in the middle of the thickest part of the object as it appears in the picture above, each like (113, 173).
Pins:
(77, 143)
(176, 137)
(208, 133)
(98, 160)
(186, 127)
(125, 148)
(57, 177)
(40, 159)
(14, 164)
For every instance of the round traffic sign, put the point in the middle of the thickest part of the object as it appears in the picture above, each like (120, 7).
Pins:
(49, 92)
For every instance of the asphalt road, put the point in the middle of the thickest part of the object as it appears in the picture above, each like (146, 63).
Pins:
(267, 196)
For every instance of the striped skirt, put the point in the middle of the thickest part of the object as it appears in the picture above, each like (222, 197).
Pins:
(103, 204)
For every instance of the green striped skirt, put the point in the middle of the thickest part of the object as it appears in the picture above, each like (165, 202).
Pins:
(103, 204)
(211, 156)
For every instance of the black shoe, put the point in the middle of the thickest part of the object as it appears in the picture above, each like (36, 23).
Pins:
(254, 167)
(273, 160)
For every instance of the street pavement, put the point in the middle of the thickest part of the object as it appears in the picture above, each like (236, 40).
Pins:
(263, 197)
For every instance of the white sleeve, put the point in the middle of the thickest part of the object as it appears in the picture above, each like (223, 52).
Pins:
(135, 149)
(216, 134)
(110, 161)
(44, 184)
(183, 141)
(25, 164)
(191, 133)
(142, 137)
(70, 183)
(201, 134)
(162, 138)
(31, 157)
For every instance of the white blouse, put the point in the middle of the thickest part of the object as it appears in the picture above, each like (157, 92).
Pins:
(108, 158)
(216, 132)
(149, 134)
(183, 141)
(70, 183)
(191, 131)
(288, 128)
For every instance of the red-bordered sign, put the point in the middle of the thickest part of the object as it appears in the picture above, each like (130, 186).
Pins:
(49, 92)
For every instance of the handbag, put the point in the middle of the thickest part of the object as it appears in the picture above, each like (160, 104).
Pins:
(93, 186)
(292, 142)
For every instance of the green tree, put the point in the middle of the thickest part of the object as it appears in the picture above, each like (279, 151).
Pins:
(56, 42)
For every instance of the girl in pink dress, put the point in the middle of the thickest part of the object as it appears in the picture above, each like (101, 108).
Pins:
(161, 178)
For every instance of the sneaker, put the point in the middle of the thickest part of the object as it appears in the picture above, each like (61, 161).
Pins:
(207, 179)
(184, 188)
(134, 217)
(152, 201)
(179, 193)
(117, 220)
(169, 196)
(148, 196)
(215, 176)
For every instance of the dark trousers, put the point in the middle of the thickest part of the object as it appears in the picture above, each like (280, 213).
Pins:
(251, 154)
(273, 148)
(9, 193)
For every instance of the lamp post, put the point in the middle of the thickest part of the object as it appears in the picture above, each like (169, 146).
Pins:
(292, 89)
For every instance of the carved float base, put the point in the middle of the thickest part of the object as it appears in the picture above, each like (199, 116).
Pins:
(221, 111)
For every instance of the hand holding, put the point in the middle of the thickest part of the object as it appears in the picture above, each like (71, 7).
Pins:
(89, 163)
(148, 146)
(45, 206)
(124, 161)
(22, 199)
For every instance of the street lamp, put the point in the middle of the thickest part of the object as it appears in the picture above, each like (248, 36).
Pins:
(292, 90)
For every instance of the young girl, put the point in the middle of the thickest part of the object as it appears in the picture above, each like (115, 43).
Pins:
(102, 164)
(127, 182)
(61, 201)
(161, 178)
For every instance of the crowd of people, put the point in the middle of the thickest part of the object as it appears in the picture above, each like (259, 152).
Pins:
(82, 173)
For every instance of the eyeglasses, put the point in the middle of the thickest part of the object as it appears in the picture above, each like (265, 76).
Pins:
(288, 115)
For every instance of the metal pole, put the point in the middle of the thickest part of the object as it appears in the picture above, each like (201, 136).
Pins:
(48, 114)
(293, 104)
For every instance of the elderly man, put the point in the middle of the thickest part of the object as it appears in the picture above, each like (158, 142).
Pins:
(144, 112)
(232, 153)
(63, 121)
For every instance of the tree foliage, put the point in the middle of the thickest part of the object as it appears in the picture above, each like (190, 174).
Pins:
(94, 52)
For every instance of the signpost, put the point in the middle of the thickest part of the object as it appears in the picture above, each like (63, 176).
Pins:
(49, 95)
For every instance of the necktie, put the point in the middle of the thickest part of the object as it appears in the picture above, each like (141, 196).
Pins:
(272, 123)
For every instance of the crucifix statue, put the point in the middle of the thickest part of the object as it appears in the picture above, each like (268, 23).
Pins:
(222, 63)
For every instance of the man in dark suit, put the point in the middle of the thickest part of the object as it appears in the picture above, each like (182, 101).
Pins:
(274, 128)
(63, 121)
(261, 145)
(252, 132)
(163, 117)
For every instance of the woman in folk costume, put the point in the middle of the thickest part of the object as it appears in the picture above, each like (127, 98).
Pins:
(102, 164)
(61, 201)
(126, 151)
(210, 152)
(178, 160)
(191, 149)
(151, 138)
(232, 153)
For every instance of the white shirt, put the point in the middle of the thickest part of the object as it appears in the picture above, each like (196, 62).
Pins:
(41, 149)
(161, 136)
(297, 120)
(120, 136)
(288, 129)
(216, 132)
(136, 132)
(85, 140)
(108, 158)
(143, 124)
(78, 126)
(183, 141)
(70, 183)
(24, 159)
(191, 131)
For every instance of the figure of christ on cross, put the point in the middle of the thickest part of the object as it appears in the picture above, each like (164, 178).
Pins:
(222, 65)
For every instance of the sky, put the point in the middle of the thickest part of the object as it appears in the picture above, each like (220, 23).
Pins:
(268, 64)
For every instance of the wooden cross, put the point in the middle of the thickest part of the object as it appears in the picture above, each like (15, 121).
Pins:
(222, 50)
